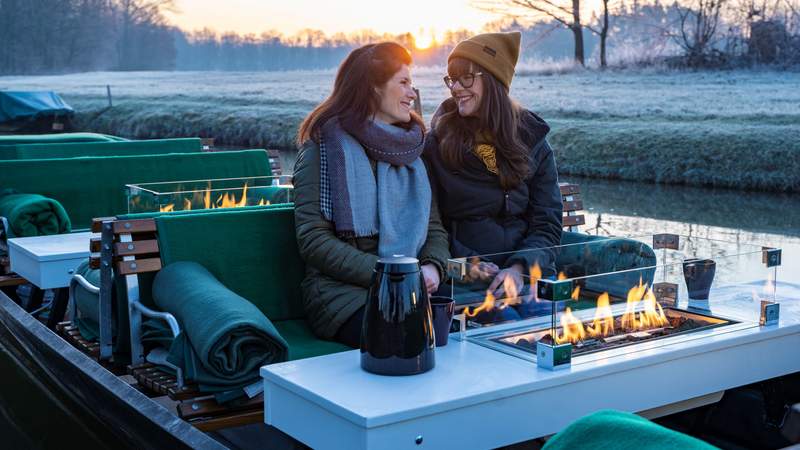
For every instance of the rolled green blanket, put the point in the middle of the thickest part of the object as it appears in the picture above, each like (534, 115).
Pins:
(607, 430)
(224, 338)
(33, 215)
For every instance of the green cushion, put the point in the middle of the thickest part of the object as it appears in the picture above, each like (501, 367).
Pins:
(13, 139)
(33, 215)
(253, 252)
(616, 430)
(224, 339)
(88, 307)
(590, 255)
(302, 341)
(110, 148)
(91, 187)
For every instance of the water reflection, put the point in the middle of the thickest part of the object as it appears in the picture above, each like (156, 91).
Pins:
(746, 218)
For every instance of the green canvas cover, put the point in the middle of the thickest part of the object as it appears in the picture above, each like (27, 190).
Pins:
(619, 430)
(252, 252)
(89, 187)
(16, 105)
(112, 148)
(15, 139)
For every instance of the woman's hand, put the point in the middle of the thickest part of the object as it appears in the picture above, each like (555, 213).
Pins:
(482, 271)
(431, 276)
(511, 275)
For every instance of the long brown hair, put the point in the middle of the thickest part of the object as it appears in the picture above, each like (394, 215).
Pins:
(499, 118)
(355, 97)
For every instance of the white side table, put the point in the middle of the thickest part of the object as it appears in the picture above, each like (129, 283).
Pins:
(49, 263)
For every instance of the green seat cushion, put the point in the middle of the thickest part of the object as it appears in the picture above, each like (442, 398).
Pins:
(89, 187)
(616, 430)
(302, 341)
(253, 252)
(585, 255)
(108, 148)
(14, 139)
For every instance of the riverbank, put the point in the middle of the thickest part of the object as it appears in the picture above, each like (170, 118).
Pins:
(734, 129)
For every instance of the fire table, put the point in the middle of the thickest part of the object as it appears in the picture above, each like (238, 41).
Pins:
(167, 196)
(616, 329)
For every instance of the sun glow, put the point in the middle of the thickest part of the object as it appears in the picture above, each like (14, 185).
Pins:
(423, 41)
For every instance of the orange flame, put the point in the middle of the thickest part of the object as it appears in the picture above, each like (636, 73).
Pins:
(649, 315)
(571, 329)
(603, 324)
(535, 273)
(562, 276)
(226, 200)
(487, 305)
(510, 289)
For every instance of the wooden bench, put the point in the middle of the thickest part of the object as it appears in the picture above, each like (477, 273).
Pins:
(571, 199)
(131, 248)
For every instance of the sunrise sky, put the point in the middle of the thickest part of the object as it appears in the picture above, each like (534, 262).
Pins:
(420, 17)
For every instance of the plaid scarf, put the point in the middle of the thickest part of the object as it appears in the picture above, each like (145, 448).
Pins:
(394, 202)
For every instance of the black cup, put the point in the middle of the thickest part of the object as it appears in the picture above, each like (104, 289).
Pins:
(442, 309)
(699, 274)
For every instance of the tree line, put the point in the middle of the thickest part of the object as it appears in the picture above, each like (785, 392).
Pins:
(58, 36)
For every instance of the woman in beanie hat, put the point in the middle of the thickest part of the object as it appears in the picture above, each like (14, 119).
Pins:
(491, 167)
(361, 189)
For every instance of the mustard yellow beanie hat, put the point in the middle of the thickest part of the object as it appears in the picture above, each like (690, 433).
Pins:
(496, 52)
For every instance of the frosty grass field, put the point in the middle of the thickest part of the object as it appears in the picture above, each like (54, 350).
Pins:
(736, 129)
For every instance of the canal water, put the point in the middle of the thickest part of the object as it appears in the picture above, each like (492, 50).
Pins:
(612, 208)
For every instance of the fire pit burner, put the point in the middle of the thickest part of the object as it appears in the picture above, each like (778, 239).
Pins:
(680, 322)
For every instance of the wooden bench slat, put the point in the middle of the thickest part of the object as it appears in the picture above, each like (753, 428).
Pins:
(138, 266)
(569, 189)
(136, 247)
(95, 245)
(11, 279)
(97, 223)
(573, 205)
(233, 420)
(573, 221)
(134, 226)
(209, 407)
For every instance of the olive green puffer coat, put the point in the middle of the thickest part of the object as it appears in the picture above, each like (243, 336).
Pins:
(338, 272)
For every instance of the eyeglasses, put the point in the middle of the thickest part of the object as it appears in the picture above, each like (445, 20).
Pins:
(466, 81)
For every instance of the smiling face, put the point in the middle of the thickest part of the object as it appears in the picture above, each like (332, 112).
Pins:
(396, 98)
(468, 99)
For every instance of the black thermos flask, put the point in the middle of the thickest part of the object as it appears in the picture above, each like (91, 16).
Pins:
(397, 333)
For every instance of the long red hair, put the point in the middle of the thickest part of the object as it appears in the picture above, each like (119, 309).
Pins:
(355, 97)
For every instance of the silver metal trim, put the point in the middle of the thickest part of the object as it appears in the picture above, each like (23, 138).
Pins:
(106, 289)
(165, 316)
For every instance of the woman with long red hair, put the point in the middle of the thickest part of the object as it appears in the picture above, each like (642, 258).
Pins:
(361, 189)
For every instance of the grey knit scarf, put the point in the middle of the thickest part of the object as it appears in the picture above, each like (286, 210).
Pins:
(394, 202)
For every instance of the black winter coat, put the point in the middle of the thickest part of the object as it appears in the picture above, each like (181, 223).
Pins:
(482, 218)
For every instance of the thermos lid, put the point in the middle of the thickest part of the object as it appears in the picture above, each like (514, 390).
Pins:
(397, 264)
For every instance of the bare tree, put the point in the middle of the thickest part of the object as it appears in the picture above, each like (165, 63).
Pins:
(696, 29)
(602, 31)
(137, 13)
(565, 12)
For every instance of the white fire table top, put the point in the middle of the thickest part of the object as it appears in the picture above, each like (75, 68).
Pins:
(476, 397)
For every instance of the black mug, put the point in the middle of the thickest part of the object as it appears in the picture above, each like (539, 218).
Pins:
(442, 309)
(699, 274)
